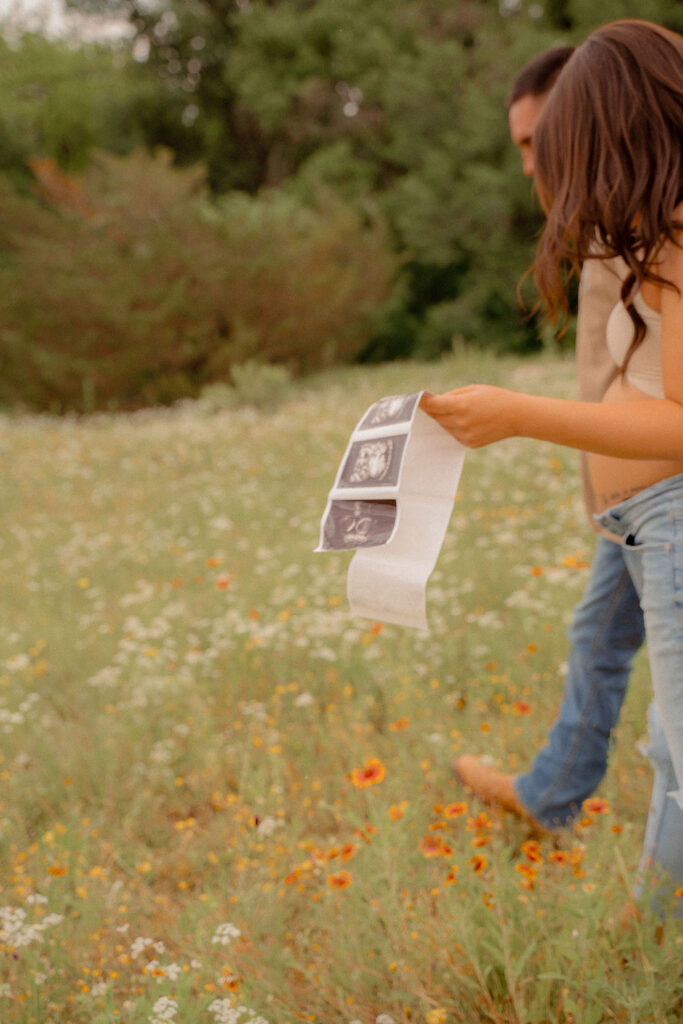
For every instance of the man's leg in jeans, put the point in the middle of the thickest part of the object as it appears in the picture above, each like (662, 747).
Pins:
(606, 633)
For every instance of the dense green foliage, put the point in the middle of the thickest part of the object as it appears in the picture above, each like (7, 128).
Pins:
(392, 106)
(156, 291)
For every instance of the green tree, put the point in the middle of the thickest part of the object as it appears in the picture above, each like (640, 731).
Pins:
(61, 101)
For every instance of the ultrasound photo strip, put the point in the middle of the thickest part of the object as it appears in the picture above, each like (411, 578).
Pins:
(373, 463)
(390, 411)
(391, 501)
(358, 524)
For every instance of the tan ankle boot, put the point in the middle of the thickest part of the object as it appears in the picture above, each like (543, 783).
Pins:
(491, 787)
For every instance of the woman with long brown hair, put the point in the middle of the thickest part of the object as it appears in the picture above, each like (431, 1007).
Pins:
(608, 156)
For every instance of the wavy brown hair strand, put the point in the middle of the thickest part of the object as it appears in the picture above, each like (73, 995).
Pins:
(608, 152)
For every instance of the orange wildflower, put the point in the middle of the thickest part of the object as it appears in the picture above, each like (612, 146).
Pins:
(400, 724)
(529, 872)
(455, 810)
(574, 561)
(679, 892)
(479, 863)
(532, 851)
(348, 851)
(372, 772)
(431, 845)
(520, 707)
(559, 857)
(396, 811)
(360, 834)
(480, 823)
(596, 806)
(452, 876)
(230, 980)
(342, 880)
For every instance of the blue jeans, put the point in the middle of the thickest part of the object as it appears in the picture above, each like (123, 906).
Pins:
(605, 634)
(607, 631)
(651, 527)
(663, 842)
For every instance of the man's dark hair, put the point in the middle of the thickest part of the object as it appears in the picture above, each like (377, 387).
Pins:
(538, 76)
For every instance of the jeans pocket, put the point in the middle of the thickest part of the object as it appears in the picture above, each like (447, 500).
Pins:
(677, 559)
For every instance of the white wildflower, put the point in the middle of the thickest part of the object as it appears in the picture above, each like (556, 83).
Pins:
(225, 1013)
(225, 933)
(18, 662)
(269, 825)
(139, 945)
(164, 1010)
(16, 931)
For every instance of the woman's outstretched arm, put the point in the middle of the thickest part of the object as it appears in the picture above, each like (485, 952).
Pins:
(479, 414)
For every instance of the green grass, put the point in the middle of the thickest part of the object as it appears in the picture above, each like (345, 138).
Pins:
(184, 697)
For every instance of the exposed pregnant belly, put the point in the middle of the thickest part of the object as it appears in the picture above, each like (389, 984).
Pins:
(614, 480)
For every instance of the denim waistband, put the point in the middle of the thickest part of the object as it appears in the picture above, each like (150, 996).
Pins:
(619, 518)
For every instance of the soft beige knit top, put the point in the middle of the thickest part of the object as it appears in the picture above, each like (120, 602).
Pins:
(644, 368)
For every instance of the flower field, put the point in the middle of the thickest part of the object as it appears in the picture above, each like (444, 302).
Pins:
(225, 801)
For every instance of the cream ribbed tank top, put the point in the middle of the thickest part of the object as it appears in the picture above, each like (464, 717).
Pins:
(644, 368)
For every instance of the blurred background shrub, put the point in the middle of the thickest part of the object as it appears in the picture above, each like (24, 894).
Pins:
(128, 285)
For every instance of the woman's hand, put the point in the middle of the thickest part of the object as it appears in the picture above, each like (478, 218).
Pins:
(478, 414)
